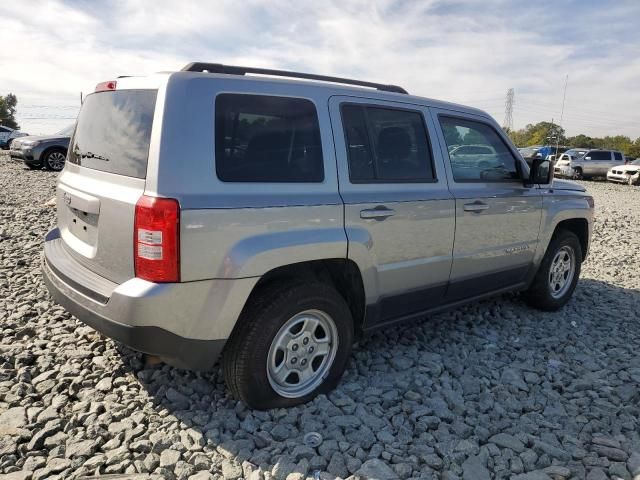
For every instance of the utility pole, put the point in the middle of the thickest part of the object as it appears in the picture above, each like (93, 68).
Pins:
(508, 110)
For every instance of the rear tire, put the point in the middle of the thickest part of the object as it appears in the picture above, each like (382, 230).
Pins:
(275, 336)
(558, 273)
(54, 159)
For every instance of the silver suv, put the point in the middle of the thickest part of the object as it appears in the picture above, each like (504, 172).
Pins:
(274, 221)
(582, 163)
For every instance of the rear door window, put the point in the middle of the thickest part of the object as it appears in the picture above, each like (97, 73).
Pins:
(600, 155)
(113, 132)
(386, 145)
(261, 138)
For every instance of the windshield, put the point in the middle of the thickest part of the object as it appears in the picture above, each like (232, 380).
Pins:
(528, 152)
(575, 153)
(636, 162)
(66, 131)
(113, 132)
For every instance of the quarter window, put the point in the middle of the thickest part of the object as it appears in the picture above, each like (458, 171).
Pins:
(477, 153)
(617, 156)
(386, 145)
(262, 138)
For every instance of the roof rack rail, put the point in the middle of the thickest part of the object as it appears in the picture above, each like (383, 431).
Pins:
(235, 70)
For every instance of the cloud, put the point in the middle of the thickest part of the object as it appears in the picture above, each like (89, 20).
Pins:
(465, 51)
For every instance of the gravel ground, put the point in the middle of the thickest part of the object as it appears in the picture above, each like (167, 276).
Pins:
(492, 390)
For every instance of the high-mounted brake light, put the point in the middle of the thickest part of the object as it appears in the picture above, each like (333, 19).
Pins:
(104, 86)
(156, 239)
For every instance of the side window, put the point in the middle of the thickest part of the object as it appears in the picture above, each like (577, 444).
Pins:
(386, 145)
(599, 155)
(478, 153)
(262, 138)
(617, 156)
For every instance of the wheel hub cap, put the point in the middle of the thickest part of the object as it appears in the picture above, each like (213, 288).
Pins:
(562, 271)
(302, 353)
(56, 160)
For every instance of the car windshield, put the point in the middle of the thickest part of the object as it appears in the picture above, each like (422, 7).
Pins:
(66, 131)
(528, 152)
(575, 153)
(636, 162)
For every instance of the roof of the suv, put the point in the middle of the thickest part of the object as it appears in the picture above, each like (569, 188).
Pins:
(334, 85)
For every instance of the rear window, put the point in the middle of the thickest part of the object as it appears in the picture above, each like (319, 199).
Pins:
(113, 132)
(262, 138)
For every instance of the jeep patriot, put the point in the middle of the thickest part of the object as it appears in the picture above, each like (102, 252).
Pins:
(272, 217)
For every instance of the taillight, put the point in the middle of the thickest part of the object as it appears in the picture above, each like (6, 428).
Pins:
(156, 239)
(104, 86)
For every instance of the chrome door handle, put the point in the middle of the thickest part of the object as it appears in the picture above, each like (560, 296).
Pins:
(475, 207)
(378, 213)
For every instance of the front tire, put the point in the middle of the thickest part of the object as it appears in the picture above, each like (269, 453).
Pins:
(292, 343)
(558, 273)
(54, 159)
(577, 174)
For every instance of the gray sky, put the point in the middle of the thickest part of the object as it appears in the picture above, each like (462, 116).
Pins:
(464, 51)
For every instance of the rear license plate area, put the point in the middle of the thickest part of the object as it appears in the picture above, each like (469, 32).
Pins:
(82, 225)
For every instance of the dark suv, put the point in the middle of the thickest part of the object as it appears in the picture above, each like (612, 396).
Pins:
(49, 151)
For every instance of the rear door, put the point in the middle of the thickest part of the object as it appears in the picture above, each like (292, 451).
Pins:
(597, 162)
(399, 213)
(497, 217)
(103, 179)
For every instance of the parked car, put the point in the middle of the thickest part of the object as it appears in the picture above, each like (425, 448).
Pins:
(572, 154)
(49, 151)
(7, 135)
(628, 173)
(277, 220)
(529, 153)
(593, 163)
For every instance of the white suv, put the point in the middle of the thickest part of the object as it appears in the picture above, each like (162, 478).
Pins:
(580, 163)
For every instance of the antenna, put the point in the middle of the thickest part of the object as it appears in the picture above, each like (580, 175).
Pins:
(508, 110)
(564, 97)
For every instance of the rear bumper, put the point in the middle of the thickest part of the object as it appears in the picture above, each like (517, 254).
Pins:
(186, 324)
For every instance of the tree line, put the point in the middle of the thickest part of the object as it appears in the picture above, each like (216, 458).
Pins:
(547, 133)
(8, 105)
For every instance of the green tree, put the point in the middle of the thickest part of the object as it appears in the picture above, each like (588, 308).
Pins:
(634, 149)
(546, 133)
(8, 106)
(618, 142)
(542, 133)
(583, 141)
(474, 137)
(451, 135)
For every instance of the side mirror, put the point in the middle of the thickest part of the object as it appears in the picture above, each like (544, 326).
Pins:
(587, 158)
(541, 172)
